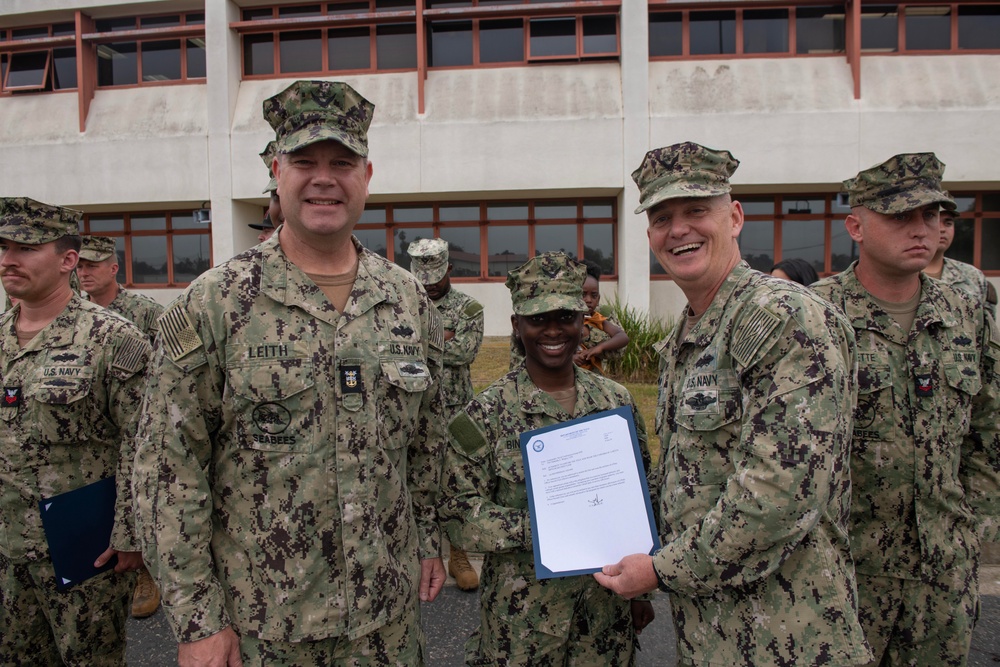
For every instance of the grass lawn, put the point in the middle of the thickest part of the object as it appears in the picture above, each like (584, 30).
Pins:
(493, 361)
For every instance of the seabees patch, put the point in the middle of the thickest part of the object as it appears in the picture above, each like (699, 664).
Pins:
(177, 333)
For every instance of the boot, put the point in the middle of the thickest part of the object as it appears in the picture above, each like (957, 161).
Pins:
(460, 568)
(146, 597)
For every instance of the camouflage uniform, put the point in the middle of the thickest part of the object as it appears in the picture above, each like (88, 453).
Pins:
(463, 315)
(926, 448)
(77, 388)
(754, 423)
(523, 620)
(971, 280)
(138, 309)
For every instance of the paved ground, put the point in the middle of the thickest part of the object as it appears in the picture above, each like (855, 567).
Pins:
(450, 619)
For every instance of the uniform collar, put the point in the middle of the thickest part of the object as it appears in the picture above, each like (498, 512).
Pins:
(535, 401)
(60, 332)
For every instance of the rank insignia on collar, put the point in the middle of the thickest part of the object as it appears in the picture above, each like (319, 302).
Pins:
(350, 379)
(924, 385)
(11, 397)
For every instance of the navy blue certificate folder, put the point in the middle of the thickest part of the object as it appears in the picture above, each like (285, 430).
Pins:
(78, 527)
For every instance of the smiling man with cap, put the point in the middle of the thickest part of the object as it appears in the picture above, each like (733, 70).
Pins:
(756, 386)
(73, 376)
(926, 451)
(463, 334)
(289, 455)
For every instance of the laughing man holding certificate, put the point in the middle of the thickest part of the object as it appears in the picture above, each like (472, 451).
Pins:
(757, 386)
(524, 620)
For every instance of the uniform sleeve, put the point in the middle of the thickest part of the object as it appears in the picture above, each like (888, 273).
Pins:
(130, 356)
(180, 417)
(980, 468)
(462, 349)
(469, 513)
(798, 388)
(424, 457)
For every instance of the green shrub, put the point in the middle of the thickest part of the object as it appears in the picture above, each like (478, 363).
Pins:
(638, 362)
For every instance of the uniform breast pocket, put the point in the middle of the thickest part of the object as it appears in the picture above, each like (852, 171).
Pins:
(965, 382)
(873, 414)
(61, 414)
(403, 384)
(274, 404)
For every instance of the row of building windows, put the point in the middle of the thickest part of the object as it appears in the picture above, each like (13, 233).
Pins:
(487, 239)
(381, 35)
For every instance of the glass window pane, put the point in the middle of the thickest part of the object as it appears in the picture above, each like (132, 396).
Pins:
(654, 266)
(991, 202)
(117, 64)
(961, 247)
(508, 248)
(598, 245)
(713, 32)
(149, 259)
(757, 205)
(191, 256)
(27, 70)
(294, 12)
(300, 51)
(555, 210)
(507, 211)
(373, 239)
(964, 203)
(258, 54)
(928, 28)
(803, 239)
(100, 224)
(843, 249)
(819, 29)
(979, 27)
(64, 68)
(152, 222)
(765, 31)
(159, 21)
(450, 44)
(350, 48)
(757, 244)
(879, 28)
(555, 238)
(258, 14)
(552, 37)
(793, 206)
(597, 210)
(195, 18)
(184, 221)
(60, 29)
(665, 34)
(373, 214)
(600, 34)
(161, 61)
(501, 41)
(348, 8)
(441, 4)
(463, 250)
(196, 58)
(394, 5)
(120, 277)
(403, 237)
(991, 244)
(413, 214)
(114, 25)
(29, 33)
(458, 214)
(396, 46)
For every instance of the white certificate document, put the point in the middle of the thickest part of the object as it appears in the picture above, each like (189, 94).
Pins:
(587, 494)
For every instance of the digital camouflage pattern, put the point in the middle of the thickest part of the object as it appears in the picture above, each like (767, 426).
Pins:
(972, 281)
(463, 315)
(683, 170)
(138, 309)
(97, 248)
(901, 183)
(25, 220)
(311, 111)
(71, 397)
(547, 282)
(754, 418)
(926, 452)
(484, 507)
(429, 260)
(289, 454)
(267, 157)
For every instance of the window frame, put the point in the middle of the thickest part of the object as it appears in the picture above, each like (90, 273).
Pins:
(186, 31)
(12, 47)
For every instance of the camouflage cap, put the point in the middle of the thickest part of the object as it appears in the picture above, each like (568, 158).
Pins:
(683, 170)
(547, 282)
(430, 260)
(311, 111)
(31, 222)
(97, 248)
(267, 157)
(901, 183)
(266, 223)
(950, 206)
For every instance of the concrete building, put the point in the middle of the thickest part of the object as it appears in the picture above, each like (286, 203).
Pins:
(507, 129)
